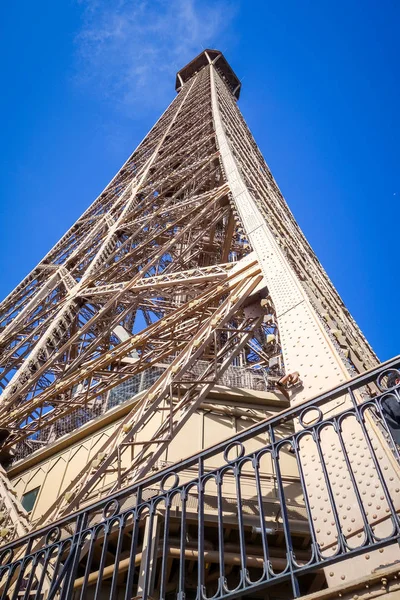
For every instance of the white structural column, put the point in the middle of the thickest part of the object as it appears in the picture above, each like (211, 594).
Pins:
(306, 346)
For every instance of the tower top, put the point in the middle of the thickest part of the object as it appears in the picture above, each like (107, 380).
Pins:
(201, 61)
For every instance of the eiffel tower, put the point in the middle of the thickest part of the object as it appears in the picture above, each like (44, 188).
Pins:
(187, 280)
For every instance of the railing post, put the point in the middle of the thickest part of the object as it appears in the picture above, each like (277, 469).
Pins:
(68, 572)
(200, 529)
(284, 513)
(149, 555)
(133, 548)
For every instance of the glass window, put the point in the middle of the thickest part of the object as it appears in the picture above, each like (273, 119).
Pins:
(29, 498)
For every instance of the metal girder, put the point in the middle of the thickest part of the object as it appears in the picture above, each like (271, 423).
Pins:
(183, 278)
(163, 390)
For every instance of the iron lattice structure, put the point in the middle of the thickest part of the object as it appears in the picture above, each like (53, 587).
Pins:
(162, 278)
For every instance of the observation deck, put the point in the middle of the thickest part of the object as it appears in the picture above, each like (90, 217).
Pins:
(201, 61)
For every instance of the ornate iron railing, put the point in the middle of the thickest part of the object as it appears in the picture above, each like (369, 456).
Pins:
(288, 497)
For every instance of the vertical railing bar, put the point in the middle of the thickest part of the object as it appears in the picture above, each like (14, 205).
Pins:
(284, 512)
(221, 550)
(8, 576)
(340, 537)
(89, 560)
(20, 578)
(149, 548)
(35, 562)
(200, 530)
(264, 538)
(47, 557)
(135, 535)
(378, 406)
(67, 591)
(315, 545)
(242, 543)
(20, 575)
(114, 581)
(99, 581)
(58, 563)
(360, 417)
(164, 560)
(11, 574)
(182, 546)
(367, 528)
(57, 581)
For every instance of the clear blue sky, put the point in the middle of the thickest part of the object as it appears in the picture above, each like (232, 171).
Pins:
(82, 83)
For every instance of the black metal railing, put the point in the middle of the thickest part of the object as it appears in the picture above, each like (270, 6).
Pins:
(286, 498)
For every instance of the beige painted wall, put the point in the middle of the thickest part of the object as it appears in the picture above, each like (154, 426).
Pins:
(205, 428)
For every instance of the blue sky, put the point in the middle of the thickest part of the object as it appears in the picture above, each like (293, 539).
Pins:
(83, 82)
